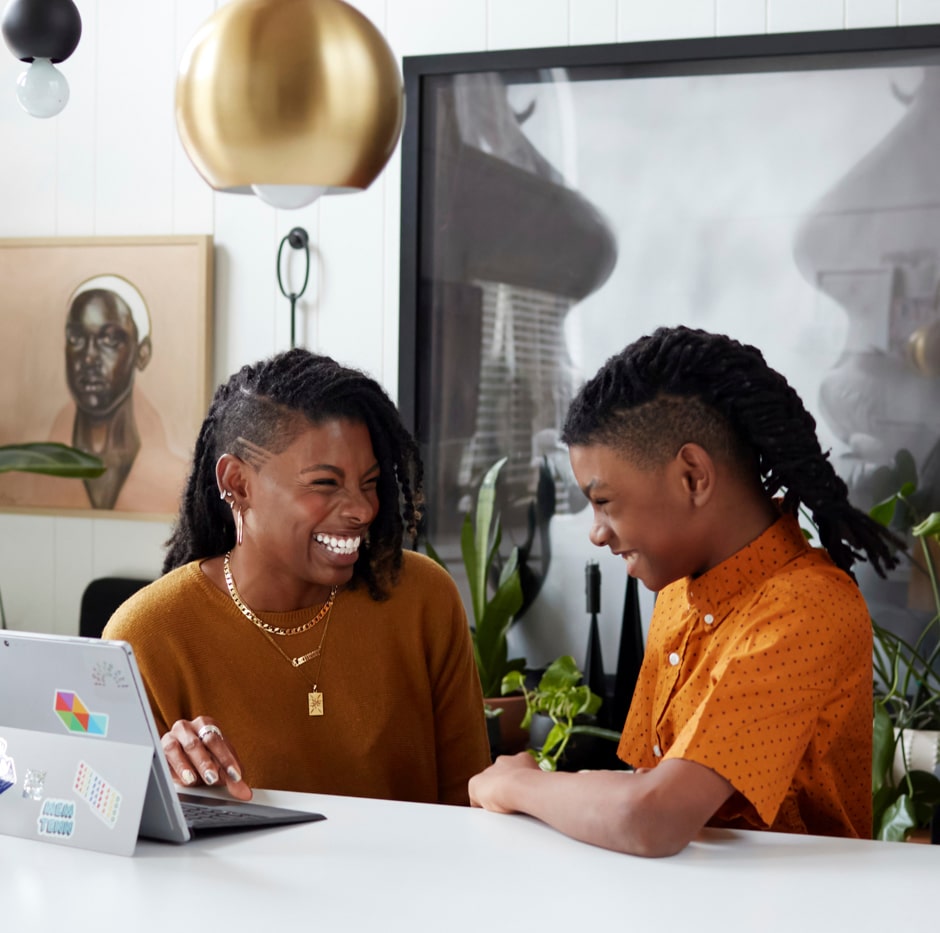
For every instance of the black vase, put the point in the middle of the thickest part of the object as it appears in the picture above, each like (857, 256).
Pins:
(629, 658)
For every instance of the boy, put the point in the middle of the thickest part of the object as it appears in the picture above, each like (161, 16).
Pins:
(753, 704)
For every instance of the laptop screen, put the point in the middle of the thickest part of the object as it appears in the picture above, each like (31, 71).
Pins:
(81, 762)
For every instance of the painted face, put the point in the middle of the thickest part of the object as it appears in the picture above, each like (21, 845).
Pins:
(641, 515)
(100, 352)
(310, 505)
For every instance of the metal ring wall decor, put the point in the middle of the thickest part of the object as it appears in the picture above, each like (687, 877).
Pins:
(298, 238)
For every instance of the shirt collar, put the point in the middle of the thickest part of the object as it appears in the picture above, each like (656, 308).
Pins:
(748, 568)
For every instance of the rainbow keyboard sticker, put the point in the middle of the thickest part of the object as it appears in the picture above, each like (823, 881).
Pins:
(104, 800)
(76, 716)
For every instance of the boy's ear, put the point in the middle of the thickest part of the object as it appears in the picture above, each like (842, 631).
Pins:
(697, 472)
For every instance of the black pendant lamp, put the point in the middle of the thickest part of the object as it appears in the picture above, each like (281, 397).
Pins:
(43, 33)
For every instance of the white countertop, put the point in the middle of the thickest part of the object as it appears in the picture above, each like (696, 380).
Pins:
(379, 865)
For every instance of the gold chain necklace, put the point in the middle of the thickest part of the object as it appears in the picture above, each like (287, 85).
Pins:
(314, 697)
(273, 629)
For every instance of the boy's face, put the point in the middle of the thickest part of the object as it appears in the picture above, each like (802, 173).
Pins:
(643, 516)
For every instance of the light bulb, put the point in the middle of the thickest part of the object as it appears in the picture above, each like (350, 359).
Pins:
(42, 89)
(288, 197)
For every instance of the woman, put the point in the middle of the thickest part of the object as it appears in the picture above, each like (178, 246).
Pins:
(291, 643)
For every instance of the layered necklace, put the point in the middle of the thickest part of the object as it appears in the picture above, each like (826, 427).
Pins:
(314, 697)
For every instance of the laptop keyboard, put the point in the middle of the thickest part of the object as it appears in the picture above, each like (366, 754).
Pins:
(200, 816)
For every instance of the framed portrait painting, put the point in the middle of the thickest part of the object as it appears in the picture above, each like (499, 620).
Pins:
(559, 203)
(105, 347)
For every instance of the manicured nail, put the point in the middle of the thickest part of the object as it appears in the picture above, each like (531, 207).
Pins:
(188, 777)
(209, 776)
(232, 772)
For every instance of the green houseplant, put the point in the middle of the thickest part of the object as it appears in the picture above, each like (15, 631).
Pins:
(496, 596)
(567, 702)
(907, 682)
(50, 459)
(495, 586)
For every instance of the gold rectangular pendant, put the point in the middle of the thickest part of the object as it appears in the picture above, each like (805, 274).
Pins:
(315, 704)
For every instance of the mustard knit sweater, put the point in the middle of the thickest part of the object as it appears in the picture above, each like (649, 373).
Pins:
(403, 711)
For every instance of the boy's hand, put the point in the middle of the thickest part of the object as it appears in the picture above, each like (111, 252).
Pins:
(487, 789)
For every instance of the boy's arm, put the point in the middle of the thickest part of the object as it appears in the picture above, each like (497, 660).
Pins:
(651, 812)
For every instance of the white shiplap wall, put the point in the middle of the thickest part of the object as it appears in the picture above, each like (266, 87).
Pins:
(111, 164)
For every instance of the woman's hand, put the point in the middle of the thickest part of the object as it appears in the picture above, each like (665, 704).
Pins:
(197, 752)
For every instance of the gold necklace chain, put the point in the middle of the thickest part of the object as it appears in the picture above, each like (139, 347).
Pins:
(314, 697)
(273, 629)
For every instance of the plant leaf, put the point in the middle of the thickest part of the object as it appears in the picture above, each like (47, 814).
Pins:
(929, 527)
(432, 553)
(597, 731)
(884, 511)
(560, 674)
(513, 682)
(883, 744)
(554, 738)
(50, 459)
(898, 820)
(477, 597)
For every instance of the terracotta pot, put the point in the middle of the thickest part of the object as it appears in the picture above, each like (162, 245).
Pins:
(512, 737)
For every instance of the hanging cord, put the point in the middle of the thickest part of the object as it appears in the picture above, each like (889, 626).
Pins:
(298, 238)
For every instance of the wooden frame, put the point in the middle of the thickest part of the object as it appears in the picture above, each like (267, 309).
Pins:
(779, 188)
(165, 283)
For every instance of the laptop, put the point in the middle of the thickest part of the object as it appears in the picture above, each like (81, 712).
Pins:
(81, 763)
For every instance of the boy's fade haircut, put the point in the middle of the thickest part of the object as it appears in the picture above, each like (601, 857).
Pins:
(682, 385)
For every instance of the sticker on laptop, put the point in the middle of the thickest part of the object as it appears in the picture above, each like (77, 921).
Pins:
(34, 783)
(7, 768)
(106, 674)
(104, 800)
(56, 818)
(77, 717)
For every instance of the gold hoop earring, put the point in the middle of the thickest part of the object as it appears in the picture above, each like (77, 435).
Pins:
(239, 525)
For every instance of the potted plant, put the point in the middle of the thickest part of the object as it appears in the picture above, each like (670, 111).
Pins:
(906, 742)
(566, 703)
(50, 459)
(495, 598)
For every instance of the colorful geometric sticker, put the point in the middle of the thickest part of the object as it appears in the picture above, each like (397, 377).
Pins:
(104, 800)
(76, 717)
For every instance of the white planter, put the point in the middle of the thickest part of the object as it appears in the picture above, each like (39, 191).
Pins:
(922, 748)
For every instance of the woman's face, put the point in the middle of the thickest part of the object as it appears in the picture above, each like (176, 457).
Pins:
(309, 507)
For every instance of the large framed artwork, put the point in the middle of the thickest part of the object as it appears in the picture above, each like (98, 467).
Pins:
(559, 203)
(105, 347)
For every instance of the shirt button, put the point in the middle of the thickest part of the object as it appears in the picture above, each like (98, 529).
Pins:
(709, 618)
(657, 751)
(673, 659)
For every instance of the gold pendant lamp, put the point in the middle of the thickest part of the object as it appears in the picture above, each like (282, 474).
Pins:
(289, 99)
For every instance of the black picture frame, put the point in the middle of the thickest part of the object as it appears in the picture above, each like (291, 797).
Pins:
(446, 230)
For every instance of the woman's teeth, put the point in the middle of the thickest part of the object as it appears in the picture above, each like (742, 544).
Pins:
(339, 545)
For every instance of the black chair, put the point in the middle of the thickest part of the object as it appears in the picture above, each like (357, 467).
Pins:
(101, 597)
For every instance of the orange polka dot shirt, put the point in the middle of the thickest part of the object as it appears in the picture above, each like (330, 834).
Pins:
(761, 669)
